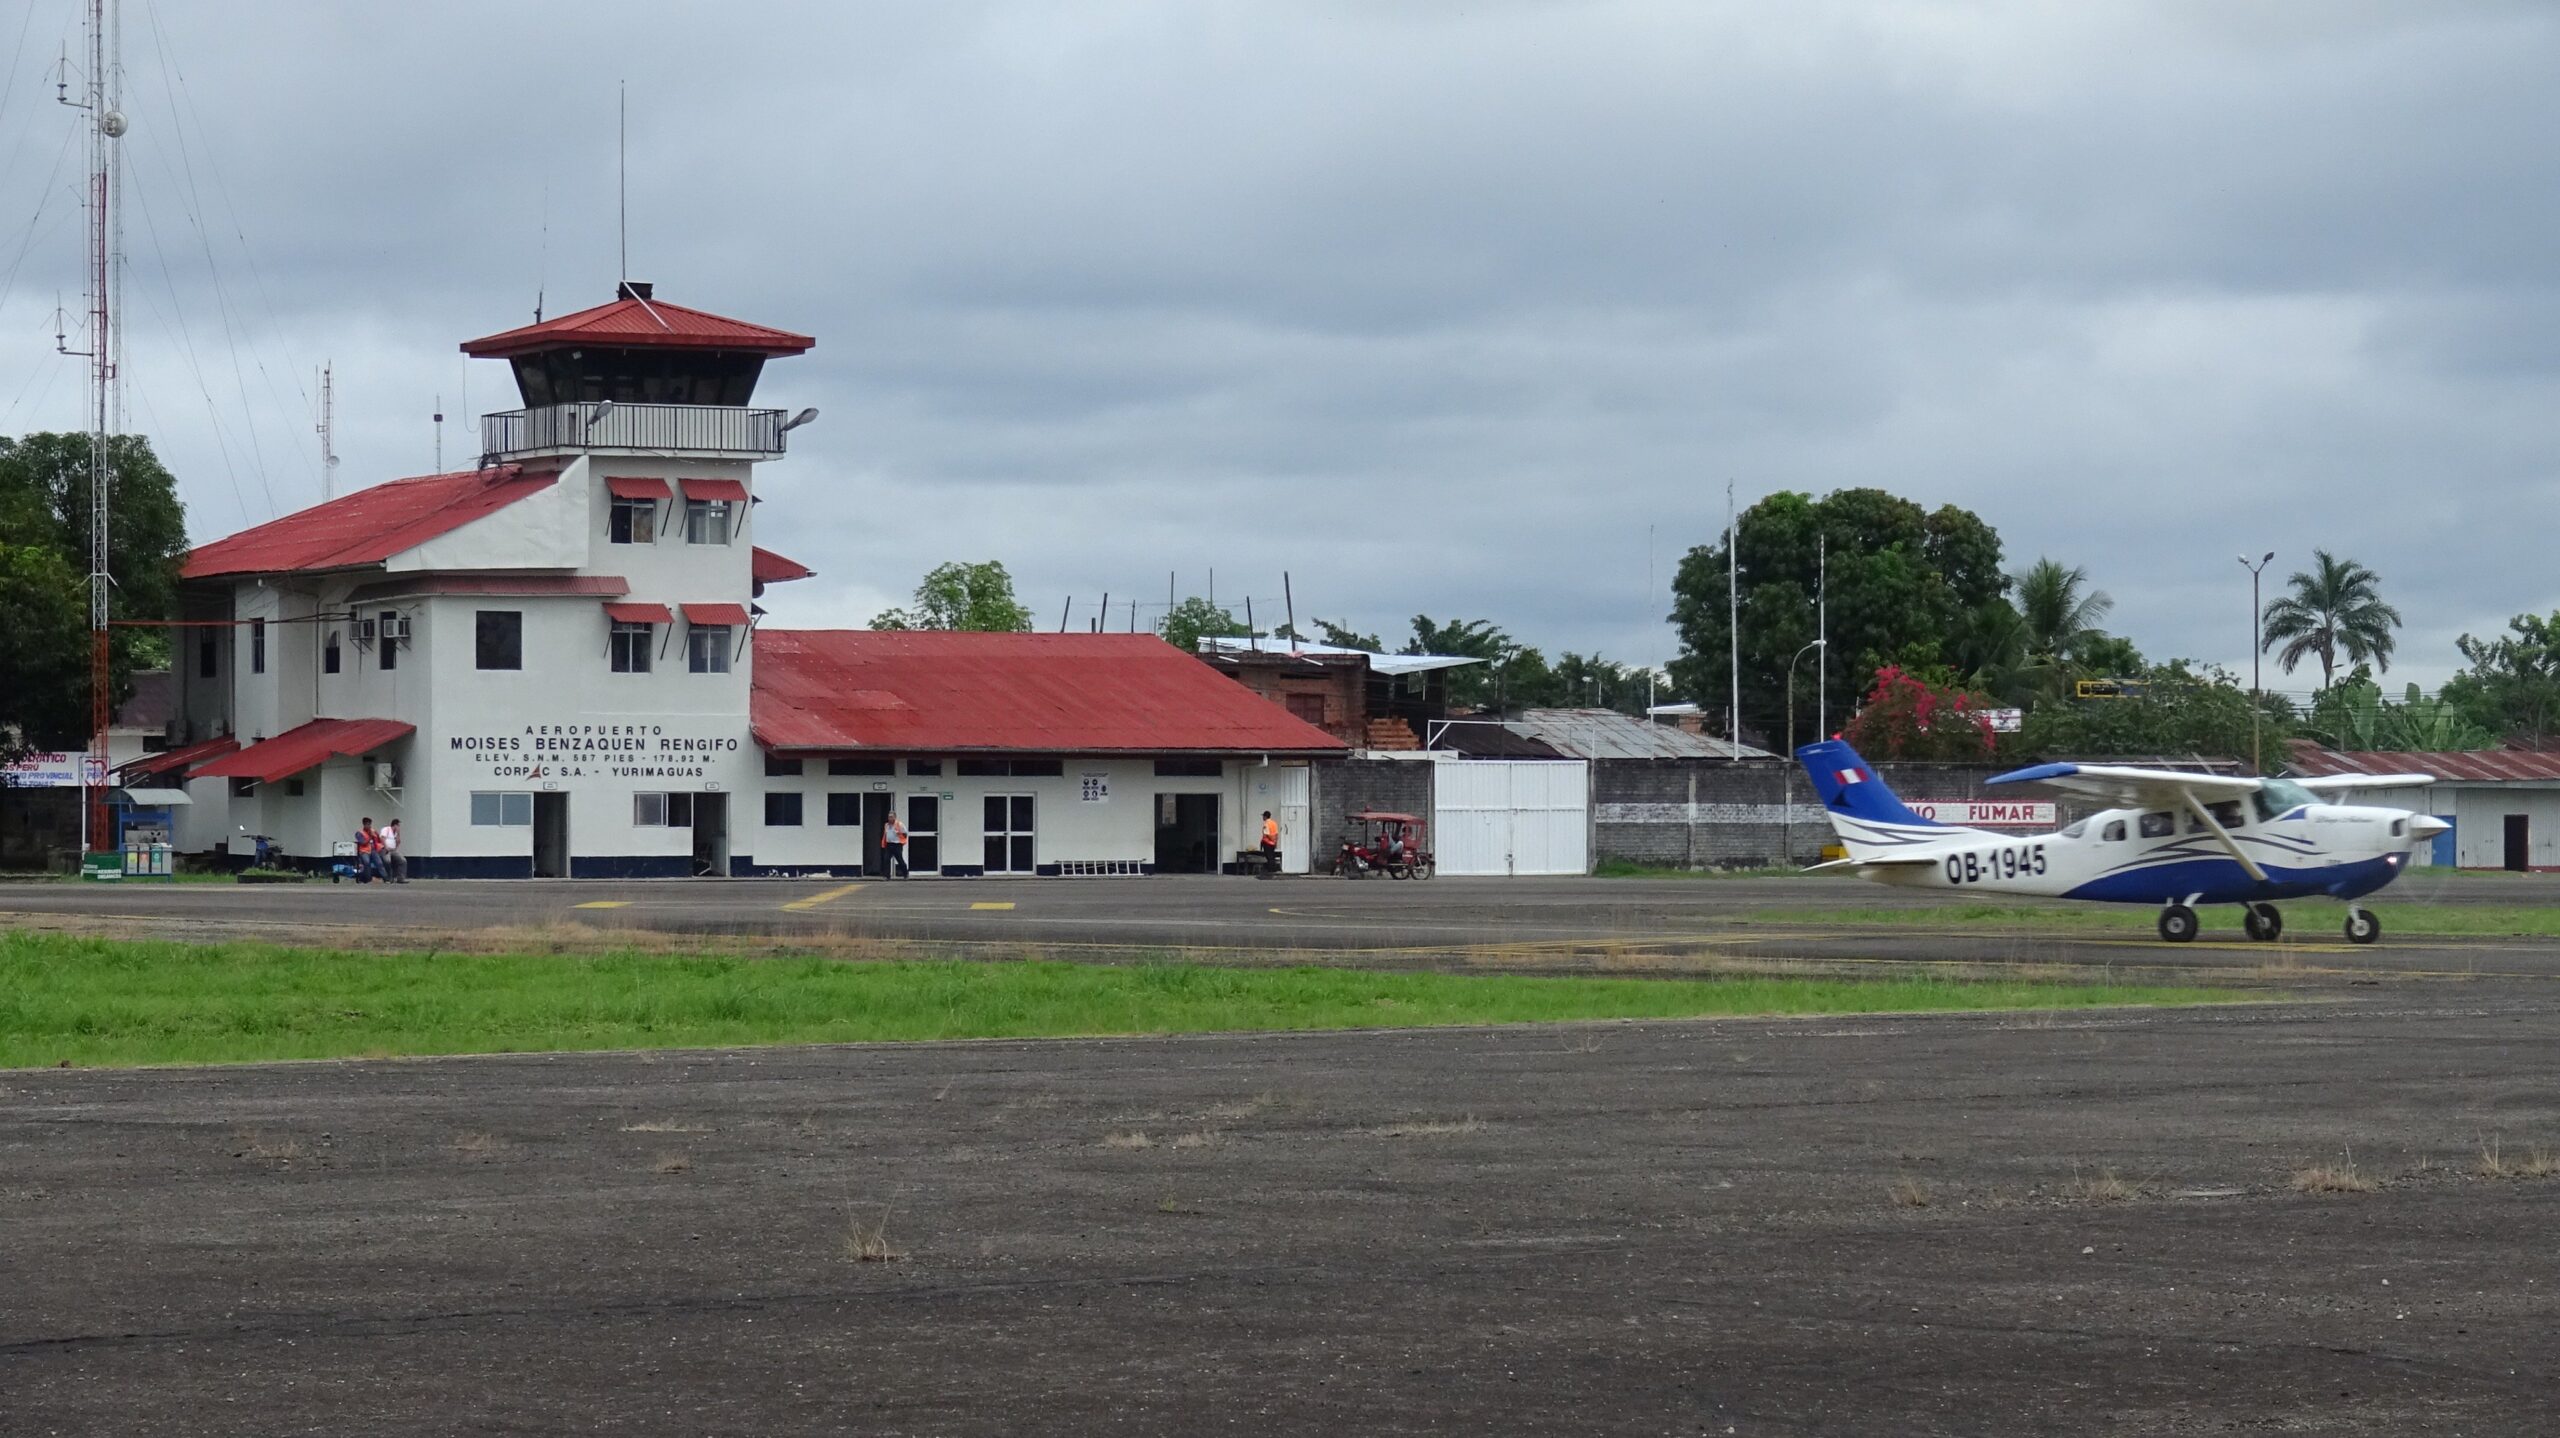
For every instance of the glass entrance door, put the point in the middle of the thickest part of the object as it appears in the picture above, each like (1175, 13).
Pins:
(1009, 831)
(924, 837)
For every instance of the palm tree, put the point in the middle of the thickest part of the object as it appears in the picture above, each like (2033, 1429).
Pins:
(2058, 610)
(2335, 609)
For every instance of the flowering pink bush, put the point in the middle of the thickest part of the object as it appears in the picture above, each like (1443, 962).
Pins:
(1906, 717)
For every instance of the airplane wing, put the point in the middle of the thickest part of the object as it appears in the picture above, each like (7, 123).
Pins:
(2335, 782)
(2130, 787)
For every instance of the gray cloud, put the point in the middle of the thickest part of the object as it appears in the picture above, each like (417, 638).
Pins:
(1436, 308)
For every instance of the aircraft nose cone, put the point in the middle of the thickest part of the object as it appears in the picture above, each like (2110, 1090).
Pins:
(2426, 826)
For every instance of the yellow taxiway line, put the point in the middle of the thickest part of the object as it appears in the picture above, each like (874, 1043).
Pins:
(991, 906)
(604, 904)
(798, 906)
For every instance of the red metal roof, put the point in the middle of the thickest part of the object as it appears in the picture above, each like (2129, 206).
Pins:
(772, 568)
(626, 487)
(175, 761)
(302, 748)
(715, 614)
(2313, 762)
(366, 527)
(731, 489)
(533, 586)
(938, 691)
(637, 324)
(639, 614)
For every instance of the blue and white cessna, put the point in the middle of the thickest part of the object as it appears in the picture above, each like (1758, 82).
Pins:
(2178, 840)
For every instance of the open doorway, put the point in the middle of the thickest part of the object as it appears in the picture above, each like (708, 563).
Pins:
(2519, 855)
(924, 834)
(550, 835)
(1186, 833)
(710, 836)
(875, 817)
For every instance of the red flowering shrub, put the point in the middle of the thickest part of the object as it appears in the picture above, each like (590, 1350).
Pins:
(1906, 717)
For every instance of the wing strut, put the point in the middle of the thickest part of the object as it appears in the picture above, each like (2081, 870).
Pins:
(2205, 817)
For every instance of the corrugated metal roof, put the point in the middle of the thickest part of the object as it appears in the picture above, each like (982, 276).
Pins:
(1233, 644)
(173, 762)
(305, 746)
(771, 568)
(1608, 734)
(2483, 765)
(366, 527)
(530, 586)
(938, 691)
(636, 324)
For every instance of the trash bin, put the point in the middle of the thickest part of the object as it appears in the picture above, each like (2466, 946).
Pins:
(148, 861)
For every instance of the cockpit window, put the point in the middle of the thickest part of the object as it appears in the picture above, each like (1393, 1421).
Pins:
(2159, 826)
(2075, 829)
(2226, 812)
(2278, 796)
(2114, 833)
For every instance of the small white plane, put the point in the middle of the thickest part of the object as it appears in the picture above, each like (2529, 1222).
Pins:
(2178, 840)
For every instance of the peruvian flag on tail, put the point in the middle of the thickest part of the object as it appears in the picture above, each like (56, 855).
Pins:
(1853, 776)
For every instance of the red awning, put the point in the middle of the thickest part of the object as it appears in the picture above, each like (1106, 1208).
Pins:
(716, 489)
(639, 614)
(629, 488)
(699, 614)
(174, 762)
(306, 747)
(771, 568)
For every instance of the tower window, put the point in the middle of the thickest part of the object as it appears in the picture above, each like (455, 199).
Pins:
(706, 521)
(635, 521)
(329, 660)
(257, 646)
(631, 648)
(500, 639)
(706, 649)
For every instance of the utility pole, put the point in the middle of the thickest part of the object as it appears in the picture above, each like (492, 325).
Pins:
(106, 124)
(1822, 636)
(2257, 653)
(328, 431)
(1733, 616)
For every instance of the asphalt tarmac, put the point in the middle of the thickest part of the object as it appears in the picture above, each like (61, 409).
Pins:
(1530, 923)
(2021, 1225)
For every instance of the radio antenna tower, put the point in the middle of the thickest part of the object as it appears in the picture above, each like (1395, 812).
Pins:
(106, 124)
(328, 430)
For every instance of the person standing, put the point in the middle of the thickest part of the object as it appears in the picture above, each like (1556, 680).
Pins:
(368, 851)
(395, 867)
(893, 846)
(1270, 843)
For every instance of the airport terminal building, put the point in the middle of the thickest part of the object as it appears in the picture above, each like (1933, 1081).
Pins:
(552, 665)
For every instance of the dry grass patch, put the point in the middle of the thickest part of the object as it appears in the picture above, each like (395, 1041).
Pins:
(673, 1163)
(2103, 1187)
(1239, 1108)
(2494, 1162)
(1426, 1128)
(1130, 1140)
(478, 1145)
(2540, 1162)
(268, 1148)
(866, 1240)
(2340, 1177)
(1202, 1139)
(1908, 1192)
(665, 1125)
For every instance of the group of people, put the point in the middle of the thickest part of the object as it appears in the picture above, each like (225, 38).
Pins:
(378, 853)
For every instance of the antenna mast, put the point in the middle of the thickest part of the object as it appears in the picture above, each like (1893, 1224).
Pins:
(328, 429)
(106, 123)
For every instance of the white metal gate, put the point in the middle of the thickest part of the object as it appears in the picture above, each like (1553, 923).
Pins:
(1282, 789)
(1511, 816)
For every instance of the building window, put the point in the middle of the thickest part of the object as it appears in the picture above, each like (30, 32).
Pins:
(635, 521)
(513, 810)
(1009, 833)
(679, 811)
(329, 653)
(208, 657)
(924, 768)
(257, 646)
(844, 811)
(706, 521)
(1187, 769)
(706, 648)
(293, 788)
(782, 811)
(390, 646)
(1014, 768)
(873, 767)
(501, 639)
(631, 647)
(779, 768)
(649, 810)
(1309, 707)
(244, 788)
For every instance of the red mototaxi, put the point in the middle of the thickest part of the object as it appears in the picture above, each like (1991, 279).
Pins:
(1388, 843)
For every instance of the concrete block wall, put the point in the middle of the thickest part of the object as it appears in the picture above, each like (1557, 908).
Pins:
(1712, 813)
(1400, 786)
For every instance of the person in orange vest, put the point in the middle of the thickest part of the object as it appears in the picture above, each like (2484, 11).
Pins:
(368, 852)
(1270, 839)
(893, 846)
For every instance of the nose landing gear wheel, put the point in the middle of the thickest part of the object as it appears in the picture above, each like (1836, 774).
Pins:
(2362, 926)
(2177, 923)
(2263, 923)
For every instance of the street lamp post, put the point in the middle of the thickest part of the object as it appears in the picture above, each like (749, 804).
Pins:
(1787, 799)
(2257, 652)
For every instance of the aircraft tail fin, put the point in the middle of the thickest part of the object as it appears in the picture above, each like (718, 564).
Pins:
(1863, 811)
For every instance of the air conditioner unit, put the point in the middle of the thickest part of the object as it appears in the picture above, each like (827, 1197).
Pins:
(396, 629)
(386, 776)
(364, 631)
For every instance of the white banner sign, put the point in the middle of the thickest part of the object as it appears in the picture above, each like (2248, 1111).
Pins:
(53, 770)
(1094, 788)
(1987, 813)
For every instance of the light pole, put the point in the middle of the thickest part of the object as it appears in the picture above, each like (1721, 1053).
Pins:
(1787, 796)
(2257, 651)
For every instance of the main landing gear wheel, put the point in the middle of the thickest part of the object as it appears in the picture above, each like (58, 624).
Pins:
(2362, 926)
(2263, 923)
(2177, 923)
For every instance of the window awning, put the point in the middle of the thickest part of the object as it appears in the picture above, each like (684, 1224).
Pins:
(623, 487)
(306, 747)
(639, 614)
(716, 489)
(152, 798)
(699, 614)
(174, 762)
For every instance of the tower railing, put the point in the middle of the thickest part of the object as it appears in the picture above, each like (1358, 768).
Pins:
(664, 428)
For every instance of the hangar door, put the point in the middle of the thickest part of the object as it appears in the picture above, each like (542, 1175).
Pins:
(1511, 816)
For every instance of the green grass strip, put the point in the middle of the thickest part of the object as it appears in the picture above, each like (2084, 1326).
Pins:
(2303, 918)
(114, 1002)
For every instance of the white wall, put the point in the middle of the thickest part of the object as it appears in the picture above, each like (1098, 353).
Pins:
(2479, 816)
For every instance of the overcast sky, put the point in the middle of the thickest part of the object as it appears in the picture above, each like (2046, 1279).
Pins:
(1468, 310)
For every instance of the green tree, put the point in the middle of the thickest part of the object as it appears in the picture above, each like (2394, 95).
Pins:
(44, 512)
(2178, 709)
(962, 596)
(1343, 636)
(1908, 587)
(1195, 619)
(2335, 609)
(2512, 687)
(1476, 685)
